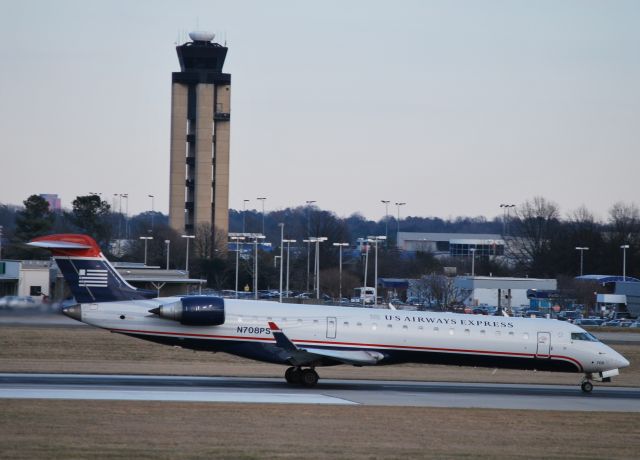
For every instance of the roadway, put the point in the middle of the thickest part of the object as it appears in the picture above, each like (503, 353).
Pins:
(328, 391)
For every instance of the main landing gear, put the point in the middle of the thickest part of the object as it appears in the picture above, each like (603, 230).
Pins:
(586, 386)
(298, 376)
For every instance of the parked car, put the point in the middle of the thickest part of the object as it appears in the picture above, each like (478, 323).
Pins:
(587, 322)
(612, 323)
(17, 302)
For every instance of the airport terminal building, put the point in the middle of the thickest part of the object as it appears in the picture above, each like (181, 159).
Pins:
(453, 244)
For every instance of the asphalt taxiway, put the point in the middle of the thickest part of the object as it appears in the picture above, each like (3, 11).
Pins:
(328, 391)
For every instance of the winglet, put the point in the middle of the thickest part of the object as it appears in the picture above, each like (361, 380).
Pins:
(274, 327)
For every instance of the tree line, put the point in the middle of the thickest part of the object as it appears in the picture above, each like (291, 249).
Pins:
(540, 242)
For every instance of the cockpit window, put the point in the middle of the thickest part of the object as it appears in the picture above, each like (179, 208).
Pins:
(583, 336)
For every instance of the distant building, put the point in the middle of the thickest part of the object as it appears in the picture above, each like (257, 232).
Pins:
(501, 292)
(25, 278)
(453, 244)
(200, 118)
(53, 200)
(622, 295)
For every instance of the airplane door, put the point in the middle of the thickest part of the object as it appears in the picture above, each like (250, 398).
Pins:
(331, 327)
(544, 345)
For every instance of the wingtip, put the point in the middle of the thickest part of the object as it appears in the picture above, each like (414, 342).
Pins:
(273, 326)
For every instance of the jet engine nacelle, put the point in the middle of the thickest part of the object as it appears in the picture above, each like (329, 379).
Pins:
(193, 311)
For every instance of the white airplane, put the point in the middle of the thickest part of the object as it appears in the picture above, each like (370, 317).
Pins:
(305, 337)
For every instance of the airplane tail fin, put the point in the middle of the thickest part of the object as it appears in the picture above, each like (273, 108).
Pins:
(88, 273)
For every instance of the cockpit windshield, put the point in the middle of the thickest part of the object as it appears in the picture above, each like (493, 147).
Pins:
(583, 336)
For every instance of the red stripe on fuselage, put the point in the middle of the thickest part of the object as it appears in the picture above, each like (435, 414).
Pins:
(355, 344)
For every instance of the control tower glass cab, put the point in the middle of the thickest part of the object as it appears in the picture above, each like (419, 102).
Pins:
(200, 118)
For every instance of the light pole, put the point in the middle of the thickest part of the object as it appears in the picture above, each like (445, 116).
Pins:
(398, 236)
(288, 247)
(244, 214)
(309, 203)
(255, 264)
(152, 209)
(167, 242)
(340, 246)
(317, 240)
(263, 199)
(624, 248)
(281, 224)
(473, 261)
(236, 239)
(505, 216)
(126, 216)
(188, 237)
(581, 249)
(145, 238)
(386, 217)
(366, 268)
(375, 240)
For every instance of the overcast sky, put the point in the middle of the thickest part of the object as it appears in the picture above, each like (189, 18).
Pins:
(451, 106)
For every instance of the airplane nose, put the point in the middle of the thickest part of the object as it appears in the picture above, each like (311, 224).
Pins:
(74, 312)
(620, 361)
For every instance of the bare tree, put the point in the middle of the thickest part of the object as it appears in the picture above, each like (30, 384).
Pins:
(536, 223)
(439, 290)
(624, 220)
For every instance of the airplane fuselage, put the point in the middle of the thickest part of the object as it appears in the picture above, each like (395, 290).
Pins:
(398, 336)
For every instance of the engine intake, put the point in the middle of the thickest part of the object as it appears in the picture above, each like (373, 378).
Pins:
(193, 311)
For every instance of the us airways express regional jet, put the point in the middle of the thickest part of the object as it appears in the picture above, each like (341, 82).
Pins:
(305, 337)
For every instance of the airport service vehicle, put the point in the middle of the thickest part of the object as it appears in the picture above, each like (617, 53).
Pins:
(305, 337)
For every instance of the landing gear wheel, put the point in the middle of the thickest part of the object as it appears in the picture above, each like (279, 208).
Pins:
(309, 378)
(586, 386)
(293, 375)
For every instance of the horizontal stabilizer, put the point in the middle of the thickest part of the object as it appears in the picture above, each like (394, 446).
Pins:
(58, 245)
(68, 245)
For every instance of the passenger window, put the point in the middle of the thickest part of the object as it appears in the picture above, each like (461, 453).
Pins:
(299, 321)
(346, 324)
(420, 328)
(436, 329)
(315, 321)
(467, 332)
(359, 324)
(405, 327)
(483, 332)
(389, 326)
(510, 332)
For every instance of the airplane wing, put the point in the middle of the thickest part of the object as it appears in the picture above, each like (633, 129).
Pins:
(305, 355)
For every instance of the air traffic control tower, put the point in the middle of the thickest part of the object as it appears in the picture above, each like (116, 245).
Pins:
(200, 115)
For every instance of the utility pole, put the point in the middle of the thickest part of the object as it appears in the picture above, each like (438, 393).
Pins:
(281, 224)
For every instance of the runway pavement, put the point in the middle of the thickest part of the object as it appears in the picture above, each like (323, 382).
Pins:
(366, 392)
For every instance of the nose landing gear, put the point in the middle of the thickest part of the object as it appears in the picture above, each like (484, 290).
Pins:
(298, 376)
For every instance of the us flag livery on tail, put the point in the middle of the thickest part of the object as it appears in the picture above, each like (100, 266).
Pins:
(305, 337)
